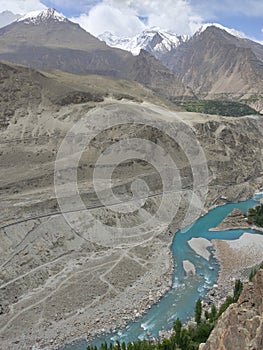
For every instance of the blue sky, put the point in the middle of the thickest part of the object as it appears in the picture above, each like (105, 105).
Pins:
(123, 17)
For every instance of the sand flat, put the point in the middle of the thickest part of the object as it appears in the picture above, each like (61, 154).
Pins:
(189, 267)
(200, 245)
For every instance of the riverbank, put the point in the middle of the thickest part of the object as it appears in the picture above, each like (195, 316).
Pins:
(125, 308)
(236, 258)
(201, 248)
(235, 220)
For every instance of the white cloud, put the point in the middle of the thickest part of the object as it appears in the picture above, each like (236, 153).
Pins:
(175, 15)
(104, 17)
(21, 6)
(121, 17)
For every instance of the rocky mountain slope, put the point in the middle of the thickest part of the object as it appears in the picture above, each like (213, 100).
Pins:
(216, 64)
(58, 283)
(157, 41)
(241, 325)
(47, 40)
(23, 89)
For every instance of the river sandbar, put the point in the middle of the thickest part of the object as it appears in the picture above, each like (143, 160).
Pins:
(189, 267)
(200, 245)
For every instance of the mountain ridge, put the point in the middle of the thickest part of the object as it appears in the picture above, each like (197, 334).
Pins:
(47, 41)
(218, 65)
(215, 63)
(154, 40)
(22, 87)
(167, 41)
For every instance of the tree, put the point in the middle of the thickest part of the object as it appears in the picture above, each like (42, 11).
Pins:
(207, 315)
(198, 311)
(237, 290)
(118, 345)
(177, 330)
(255, 215)
(223, 307)
(104, 346)
(185, 340)
(252, 274)
(213, 314)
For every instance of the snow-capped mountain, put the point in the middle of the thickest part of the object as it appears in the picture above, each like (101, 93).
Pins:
(153, 40)
(157, 41)
(47, 40)
(231, 31)
(44, 16)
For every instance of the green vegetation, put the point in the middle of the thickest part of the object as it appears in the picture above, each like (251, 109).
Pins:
(184, 338)
(198, 311)
(253, 98)
(237, 290)
(223, 107)
(255, 215)
(231, 299)
(254, 271)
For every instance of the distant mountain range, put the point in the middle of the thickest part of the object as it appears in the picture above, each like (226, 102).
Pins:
(47, 40)
(215, 60)
(215, 63)
(154, 40)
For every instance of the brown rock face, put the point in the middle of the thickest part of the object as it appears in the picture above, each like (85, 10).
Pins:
(241, 326)
(215, 63)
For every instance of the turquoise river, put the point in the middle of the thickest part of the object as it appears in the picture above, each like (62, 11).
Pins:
(180, 300)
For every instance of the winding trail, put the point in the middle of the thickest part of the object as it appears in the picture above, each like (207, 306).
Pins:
(99, 206)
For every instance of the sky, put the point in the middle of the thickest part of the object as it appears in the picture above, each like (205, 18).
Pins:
(129, 17)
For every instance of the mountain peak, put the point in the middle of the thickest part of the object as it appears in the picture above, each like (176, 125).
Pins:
(231, 31)
(153, 40)
(44, 16)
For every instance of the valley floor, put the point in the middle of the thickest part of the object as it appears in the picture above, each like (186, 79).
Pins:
(56, 285)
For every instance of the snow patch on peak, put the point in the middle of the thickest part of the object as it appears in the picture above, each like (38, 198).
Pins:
(37, 17)
(231, 31)
(153, 40)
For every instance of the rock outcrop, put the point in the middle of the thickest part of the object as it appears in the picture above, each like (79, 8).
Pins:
(218, 64)
(241, 325)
